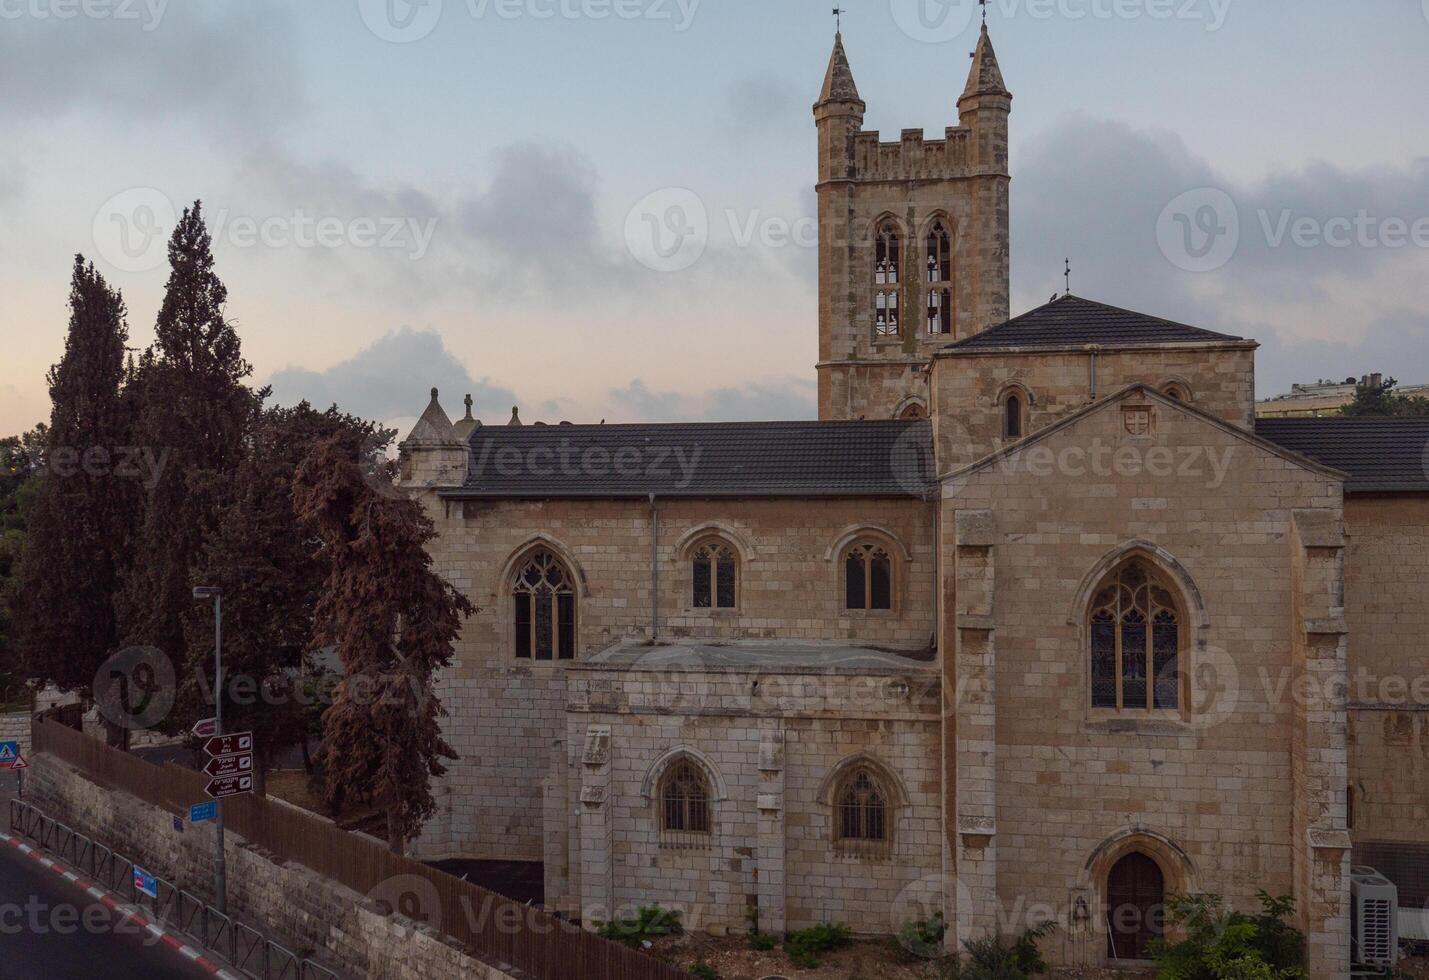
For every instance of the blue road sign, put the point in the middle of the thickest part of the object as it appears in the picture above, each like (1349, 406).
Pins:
(9, 752)
(145, 883)
(199, 812)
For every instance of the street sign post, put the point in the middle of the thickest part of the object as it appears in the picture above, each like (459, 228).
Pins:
(229, 765)
(205, 728)
(19, 763)
(199, 812)
(229, 744)
(221, 789)
(9, 752)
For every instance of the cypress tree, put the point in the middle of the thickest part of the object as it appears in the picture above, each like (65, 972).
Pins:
(193, 410)
(81, 518)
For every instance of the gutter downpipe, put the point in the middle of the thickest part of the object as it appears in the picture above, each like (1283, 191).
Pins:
(654, 571)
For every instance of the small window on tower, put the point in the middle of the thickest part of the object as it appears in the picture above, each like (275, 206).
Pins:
(885, 314)
(885, 255)
(1012, 416)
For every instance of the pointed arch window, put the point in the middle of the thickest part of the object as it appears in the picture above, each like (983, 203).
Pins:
(863, 814)
(938, 273)
(1135, 633)
(715, 575)
(1012, 415)
(686, 818)
(886, 255)
(544, 609)
(868, 577)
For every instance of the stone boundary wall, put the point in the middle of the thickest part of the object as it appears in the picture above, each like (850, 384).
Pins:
(15, 727)
(302, 909)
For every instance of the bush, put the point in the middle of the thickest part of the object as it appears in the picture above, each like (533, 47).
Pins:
(650, 922)
(1225, 945)
(763, 941)
(1000, 958)
(703, 970)
(803, 947)
(923, 938)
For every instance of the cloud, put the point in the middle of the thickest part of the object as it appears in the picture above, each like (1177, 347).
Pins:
(391, 379)
(231, 64)
(760, 102)
(786, 399)
(1094, 190)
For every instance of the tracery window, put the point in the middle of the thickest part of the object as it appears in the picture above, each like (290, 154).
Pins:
(868, 577)
(1135, 634)
(544, 600)
(715, 574)
(685, 814)
(886, 259)
(938, 273)
(861, 808)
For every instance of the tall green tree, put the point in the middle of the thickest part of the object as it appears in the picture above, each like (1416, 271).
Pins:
(192, 409)
(272, 570)
(81, 520)
(1381, 400)
(21, 469)
(393, 621)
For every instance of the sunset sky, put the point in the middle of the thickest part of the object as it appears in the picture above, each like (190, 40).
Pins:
(406, 196)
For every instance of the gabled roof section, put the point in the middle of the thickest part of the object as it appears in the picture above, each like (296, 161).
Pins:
(838, 80)
(985, 77)
(1071, 321)
(886, 458)
(1151, 394)
(1380, 455)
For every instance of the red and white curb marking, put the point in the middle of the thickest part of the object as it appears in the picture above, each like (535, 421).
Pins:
(131, 912)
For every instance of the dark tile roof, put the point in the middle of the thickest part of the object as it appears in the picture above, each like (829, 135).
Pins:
(1380, 455)
(1073, 321)
(719, 459)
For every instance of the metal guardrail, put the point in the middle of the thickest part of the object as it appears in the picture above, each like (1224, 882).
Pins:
(245, 948)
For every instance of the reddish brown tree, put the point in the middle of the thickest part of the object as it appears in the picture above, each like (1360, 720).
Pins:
(393, 622)
(272, 571)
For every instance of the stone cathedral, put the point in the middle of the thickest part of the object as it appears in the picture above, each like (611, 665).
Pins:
(1036, 620)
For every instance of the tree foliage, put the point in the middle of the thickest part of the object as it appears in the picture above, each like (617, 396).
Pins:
(192, 407)
(272, 571)
(1381, 400)
(393, 621)
(79, 524)
(1222, 944)
(21, 468)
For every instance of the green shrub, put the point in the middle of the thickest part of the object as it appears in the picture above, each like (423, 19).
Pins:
(923, 938)
(650, 922)
(703, 970)
(1221, 944)
(1001, 958)
(763, 941)
(803, 947)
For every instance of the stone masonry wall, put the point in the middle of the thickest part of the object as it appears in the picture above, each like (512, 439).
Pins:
(507, 716)
(296, 906)
(1387, 566)
(773, 744)
(968, 389)
(1207, 794)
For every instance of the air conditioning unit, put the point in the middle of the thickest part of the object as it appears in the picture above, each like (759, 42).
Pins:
(1374, 923)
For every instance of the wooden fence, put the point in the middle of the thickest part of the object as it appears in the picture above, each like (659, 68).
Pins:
(498, 929)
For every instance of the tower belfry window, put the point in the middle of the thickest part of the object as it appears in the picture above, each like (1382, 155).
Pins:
(885, 255)
(938, 273)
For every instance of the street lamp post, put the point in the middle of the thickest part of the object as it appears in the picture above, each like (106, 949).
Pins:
(220, 879)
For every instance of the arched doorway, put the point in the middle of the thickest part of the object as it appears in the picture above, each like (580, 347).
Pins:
(1136, 896)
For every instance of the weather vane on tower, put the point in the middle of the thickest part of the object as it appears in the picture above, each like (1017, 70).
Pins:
(839, 19)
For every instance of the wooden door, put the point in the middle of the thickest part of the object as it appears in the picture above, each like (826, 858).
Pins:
(1136, 895)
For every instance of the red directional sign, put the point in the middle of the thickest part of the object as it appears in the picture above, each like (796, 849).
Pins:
(219, 789)
(230, 765)
(205, 728)
(229, 744)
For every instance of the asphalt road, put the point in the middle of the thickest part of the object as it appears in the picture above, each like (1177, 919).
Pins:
(43, 933)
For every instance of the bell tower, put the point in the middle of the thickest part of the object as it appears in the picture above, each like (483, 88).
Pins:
(913, 240)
